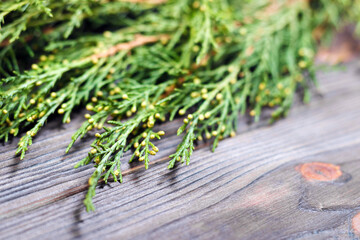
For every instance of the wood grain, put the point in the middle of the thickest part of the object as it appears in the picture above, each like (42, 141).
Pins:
(251, 188)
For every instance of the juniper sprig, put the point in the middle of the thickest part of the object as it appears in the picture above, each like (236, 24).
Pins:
(133, 63)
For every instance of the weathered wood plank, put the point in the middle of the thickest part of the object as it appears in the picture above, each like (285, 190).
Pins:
(250, 188)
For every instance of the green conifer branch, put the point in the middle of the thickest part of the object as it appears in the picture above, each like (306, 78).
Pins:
(156, 60)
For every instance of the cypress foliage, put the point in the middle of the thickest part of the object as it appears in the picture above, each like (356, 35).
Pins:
(133, 63)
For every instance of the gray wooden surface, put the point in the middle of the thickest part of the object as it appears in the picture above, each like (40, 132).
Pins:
(255, 186)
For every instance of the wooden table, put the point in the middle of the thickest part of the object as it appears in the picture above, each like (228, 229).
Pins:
(296, 179)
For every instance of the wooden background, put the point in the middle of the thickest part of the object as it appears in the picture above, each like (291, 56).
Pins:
(265, 183)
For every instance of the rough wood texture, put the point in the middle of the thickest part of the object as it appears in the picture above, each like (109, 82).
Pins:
(255, 186)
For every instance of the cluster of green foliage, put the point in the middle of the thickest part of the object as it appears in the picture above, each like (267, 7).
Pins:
(133, 63)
